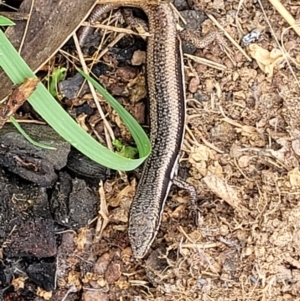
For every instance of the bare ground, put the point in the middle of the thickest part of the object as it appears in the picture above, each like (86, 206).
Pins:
(241, 152)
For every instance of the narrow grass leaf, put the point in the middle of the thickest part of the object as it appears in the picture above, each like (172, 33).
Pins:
(19, 128)
(137, 132)
(6, 22)
(48, 108)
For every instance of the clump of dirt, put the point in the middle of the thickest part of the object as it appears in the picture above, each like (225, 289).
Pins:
(241, 152)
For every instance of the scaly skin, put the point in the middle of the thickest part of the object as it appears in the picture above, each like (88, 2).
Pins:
(167, 118)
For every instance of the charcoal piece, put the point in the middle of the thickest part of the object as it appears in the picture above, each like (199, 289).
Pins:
(20, 201)
(5, 275)
(42, 274)
(70, 87)
(83, 203)
(59, 201)
(100, 69)
(32, 163)
(83, 166)
(35, 238)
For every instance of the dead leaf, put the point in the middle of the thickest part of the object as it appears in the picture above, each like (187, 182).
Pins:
(18, 283)
(216, 169)
(127, 192)
(294, 177)
(222, 190)
(178, 211)
(296, 146)
(200, 153)
(138, 58)
(44, 294)
(17, 98)
(103, 217)
(267, 61)
(244, 161)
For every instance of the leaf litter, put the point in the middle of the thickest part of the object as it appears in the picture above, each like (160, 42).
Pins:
(241, 151)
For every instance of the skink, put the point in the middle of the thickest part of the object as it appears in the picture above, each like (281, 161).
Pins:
(167, 118)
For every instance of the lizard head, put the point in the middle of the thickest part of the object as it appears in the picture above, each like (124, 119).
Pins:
(142, 231)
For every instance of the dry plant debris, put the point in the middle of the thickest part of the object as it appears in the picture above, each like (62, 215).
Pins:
(242, 153)
(242, 150)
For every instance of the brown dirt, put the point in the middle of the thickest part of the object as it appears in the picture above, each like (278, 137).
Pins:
(241, 152)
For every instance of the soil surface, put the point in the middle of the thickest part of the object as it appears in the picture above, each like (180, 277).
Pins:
(241, 152)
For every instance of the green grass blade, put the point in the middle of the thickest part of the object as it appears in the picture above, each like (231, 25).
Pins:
(6, 22)
(19, 128)
(42, 101)
(137, 132)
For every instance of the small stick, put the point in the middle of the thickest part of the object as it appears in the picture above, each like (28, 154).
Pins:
(229, 37)
(286, 15)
